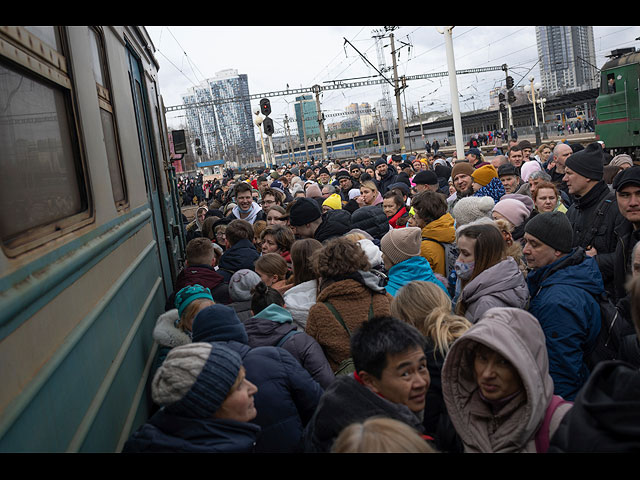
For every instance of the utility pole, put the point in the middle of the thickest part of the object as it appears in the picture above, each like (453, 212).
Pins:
(453, 86)
(397, 92)
(316, 89)
(286, 126)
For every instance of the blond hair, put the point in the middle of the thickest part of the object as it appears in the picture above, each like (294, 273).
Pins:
(189, 313)
(428, 308)
(380, 435)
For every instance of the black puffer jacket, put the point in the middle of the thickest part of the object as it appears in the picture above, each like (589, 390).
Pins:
(606, 413)
(372, 220)
(335, 223)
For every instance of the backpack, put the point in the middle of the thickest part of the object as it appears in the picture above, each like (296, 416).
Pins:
(450, 255)
(346, 367)
(550, 422)
(586, 239)
(607, 344)
(286, 337)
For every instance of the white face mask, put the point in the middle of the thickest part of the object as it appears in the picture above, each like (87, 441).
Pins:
(464, 270)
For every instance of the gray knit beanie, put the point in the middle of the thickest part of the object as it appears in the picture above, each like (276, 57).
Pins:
(241, 283)
(468, 209)
(195, 379)
(400, 244)
(553, 229)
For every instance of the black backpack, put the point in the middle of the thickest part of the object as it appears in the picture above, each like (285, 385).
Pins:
(607, 345)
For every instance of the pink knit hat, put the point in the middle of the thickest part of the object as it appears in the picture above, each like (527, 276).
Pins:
(513, 210)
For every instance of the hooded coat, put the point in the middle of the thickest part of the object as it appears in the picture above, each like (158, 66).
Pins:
(274, 326)
(414, 268)
(287, 396)
(502, 285)
(515, 335)
(299, 299)
(563, 299)
(351, 297)
(167, 335)
(605, 417)
(441, 230)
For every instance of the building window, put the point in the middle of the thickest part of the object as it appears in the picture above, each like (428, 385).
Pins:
(43, 187)
(109, 127)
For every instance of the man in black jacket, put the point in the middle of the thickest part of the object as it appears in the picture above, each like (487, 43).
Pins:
(627, 188)
(385, 175)
(594, 214)
(307, 221)
(391, 380)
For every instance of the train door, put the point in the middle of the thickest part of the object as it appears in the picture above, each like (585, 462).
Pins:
(151, 176)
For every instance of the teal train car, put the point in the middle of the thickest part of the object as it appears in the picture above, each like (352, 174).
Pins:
(618, 102)
(91, 237)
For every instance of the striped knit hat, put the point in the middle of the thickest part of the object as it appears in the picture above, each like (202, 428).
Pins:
(195, 379)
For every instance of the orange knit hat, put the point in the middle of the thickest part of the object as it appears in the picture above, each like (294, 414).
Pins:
(484, 175)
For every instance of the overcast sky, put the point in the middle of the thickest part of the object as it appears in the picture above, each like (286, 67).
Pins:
(303, 56)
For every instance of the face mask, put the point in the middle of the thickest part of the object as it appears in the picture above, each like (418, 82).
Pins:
(464, 270)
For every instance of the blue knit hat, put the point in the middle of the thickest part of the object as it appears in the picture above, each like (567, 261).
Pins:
(195, 379)
(188, 294)
(218, 323)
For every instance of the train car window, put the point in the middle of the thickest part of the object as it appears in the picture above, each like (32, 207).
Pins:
(611, 83)
(43, 187)
(109, 127)
(47, 34)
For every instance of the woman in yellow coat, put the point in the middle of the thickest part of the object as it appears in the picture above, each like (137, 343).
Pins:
(437, 227)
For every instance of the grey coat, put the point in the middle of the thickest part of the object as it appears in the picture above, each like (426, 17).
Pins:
(502, 285)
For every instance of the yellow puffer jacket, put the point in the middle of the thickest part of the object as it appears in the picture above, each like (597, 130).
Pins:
(442, 230)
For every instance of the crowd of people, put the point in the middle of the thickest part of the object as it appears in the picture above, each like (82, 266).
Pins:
(407, 303)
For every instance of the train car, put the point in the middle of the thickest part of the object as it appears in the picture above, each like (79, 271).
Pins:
(618, 102)
(91, 239)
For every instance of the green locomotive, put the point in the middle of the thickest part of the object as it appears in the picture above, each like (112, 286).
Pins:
(618, 104)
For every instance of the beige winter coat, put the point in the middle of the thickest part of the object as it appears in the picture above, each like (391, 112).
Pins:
(518, 337)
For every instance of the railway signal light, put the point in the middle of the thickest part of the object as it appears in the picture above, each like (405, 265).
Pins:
(511, 96)
(501, 97)
(265, 107)
(268, 126)
(509, 82)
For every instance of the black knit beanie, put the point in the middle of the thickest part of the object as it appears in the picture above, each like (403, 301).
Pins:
(588, 162)
(553, 229)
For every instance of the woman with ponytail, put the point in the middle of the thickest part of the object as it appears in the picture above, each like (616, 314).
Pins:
(272, 326)
(428, 308)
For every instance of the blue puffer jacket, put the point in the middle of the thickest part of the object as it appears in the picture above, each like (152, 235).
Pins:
(287, 396)
(563, 299)
(169, 433)
(414, 268)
